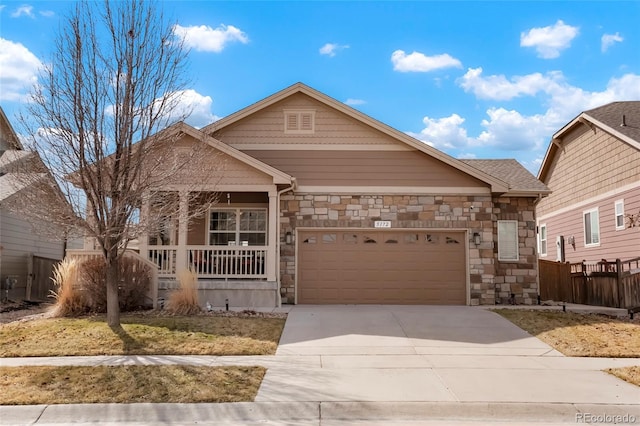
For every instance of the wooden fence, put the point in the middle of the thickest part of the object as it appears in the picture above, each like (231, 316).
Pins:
(614, 284)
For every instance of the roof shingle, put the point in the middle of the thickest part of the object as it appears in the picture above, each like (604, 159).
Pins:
(511, 172)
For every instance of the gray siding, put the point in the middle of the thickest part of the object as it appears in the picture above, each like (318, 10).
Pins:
(18, 240)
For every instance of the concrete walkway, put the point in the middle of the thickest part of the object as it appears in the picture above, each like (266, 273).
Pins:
(365, 364)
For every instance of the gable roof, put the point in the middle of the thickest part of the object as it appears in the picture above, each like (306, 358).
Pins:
(619, 119)
(520, 180)
(8, 136)
(279, 177)
(497, 185)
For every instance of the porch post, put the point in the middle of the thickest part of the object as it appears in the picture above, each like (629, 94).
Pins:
(183, 216)
(273, 236)
(143, 236)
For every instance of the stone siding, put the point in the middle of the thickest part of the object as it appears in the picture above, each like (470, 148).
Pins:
(490, 281)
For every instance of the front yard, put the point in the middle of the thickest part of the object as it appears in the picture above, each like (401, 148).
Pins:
(142, 334)
(584, 335)
(149, 333)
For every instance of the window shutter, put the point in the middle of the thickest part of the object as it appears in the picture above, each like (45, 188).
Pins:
(508, 240)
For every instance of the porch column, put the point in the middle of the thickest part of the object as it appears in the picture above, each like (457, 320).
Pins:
(273, 236)
(143, 236)
(183, 217)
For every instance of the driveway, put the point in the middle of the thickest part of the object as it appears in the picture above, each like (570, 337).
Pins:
(431, 354)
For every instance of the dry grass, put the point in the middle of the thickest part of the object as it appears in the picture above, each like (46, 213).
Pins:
(69, 301)
(128, 384)
(184, 300)
(579, 334)
(142, 335)
(629, 374)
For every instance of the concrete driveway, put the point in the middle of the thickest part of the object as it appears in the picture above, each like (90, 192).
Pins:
(432, 354)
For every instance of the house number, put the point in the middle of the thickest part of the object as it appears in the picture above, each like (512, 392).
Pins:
(382, 224)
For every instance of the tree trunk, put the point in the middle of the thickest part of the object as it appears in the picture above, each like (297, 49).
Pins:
(113, 304)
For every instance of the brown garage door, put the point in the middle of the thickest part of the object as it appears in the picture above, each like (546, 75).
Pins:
(381, 267)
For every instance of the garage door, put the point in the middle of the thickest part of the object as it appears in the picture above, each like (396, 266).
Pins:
(381, 267)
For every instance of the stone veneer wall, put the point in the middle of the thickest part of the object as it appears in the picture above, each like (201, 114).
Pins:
(518, 278)
(488, 278)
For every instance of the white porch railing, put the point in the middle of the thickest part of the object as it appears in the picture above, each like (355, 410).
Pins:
(165, 258)
(244, 262)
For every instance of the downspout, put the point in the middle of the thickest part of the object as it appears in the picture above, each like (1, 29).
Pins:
(278, 273)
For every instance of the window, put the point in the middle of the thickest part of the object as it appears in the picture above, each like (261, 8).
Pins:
(299, 121)
(543, 240)
(508, 240)
(591, 228)
(619, 209)
(242, 227)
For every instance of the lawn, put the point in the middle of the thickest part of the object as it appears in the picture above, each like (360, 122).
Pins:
(142, 335)
(583, 335)
(150, 333)
(128, 384)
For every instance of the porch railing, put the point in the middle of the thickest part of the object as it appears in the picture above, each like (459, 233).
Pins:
(248, 262)
(165, 258)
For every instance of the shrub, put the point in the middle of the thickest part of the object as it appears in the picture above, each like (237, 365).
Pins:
(70, 300)
(134, 284)
(184, 300)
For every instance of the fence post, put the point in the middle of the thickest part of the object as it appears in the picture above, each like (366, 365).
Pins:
(620, 287)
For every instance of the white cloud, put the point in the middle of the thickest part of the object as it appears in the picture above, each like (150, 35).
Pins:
(444, 133)
(609, 39)
(2, 6)
(511, 130)
(330, 49)
(18, 70)
(196, 106)
(47, 13)
(419, 62)
(549, 41)
(24, 10)
(206, 39)
(498, 87)
(352, 101)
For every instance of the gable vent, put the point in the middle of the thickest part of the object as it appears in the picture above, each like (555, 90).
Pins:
(299, 121)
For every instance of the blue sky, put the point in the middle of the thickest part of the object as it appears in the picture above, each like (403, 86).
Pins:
(474, 79)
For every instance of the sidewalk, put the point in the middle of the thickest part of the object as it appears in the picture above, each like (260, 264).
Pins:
(381, 365)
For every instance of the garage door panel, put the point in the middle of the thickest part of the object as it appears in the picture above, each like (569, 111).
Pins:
(355, 266)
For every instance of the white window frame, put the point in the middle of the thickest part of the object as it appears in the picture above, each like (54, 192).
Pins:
(237, 239)
(508, 250)
(294, 121)
(619, 214)
(543, 242)
(591, 212)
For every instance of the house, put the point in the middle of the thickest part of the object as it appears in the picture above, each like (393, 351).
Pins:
(27, 254)
(592, 166)
(322, 204)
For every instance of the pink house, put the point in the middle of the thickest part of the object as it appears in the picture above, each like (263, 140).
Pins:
(592, 167)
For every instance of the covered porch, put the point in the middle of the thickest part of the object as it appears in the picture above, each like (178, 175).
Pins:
(235, 239)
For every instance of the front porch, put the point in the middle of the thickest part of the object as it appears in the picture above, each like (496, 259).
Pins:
(231, 247)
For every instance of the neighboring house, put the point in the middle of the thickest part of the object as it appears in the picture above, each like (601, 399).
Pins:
(26, 254)
(592, 166)
(320, 203)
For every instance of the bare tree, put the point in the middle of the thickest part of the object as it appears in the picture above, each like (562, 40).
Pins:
(101, 118)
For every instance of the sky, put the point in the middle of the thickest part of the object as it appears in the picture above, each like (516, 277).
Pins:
(474, 79)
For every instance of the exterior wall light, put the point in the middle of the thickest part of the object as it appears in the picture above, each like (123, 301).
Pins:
(288, 238)
(476, 238)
